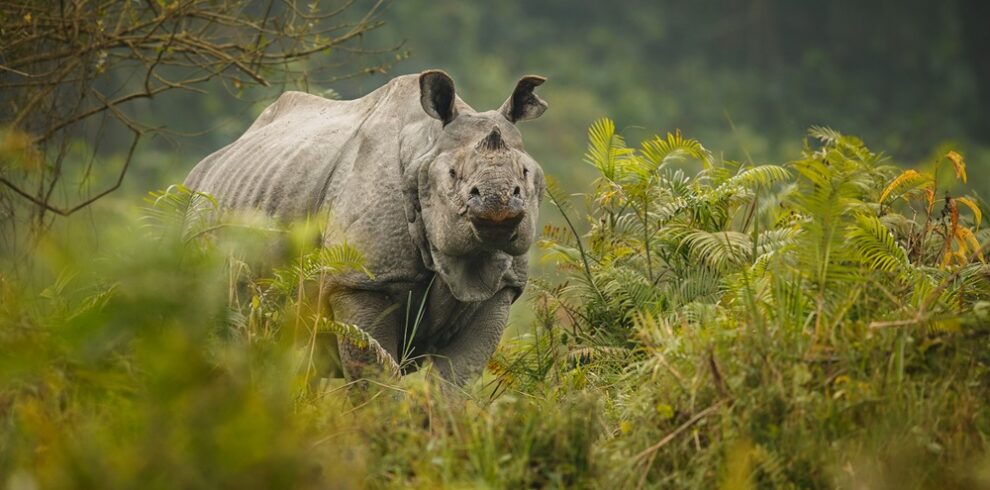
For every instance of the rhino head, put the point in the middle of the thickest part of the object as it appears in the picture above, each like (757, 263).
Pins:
(477, 189)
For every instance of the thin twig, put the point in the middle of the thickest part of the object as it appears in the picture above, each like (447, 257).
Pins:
(676, 432)
(577, 239)
(68, 211)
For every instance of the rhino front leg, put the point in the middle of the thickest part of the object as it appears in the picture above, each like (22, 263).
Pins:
(377, 315)
(465, 357)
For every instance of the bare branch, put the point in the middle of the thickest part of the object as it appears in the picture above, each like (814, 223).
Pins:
(68, 211)
(55, 55)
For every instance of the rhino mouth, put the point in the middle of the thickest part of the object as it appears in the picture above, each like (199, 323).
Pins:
(497, 230)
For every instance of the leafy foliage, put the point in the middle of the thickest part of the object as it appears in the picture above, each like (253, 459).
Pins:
(781, 314)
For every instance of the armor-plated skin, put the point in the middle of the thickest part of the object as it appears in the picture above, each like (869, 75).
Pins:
(422, 185)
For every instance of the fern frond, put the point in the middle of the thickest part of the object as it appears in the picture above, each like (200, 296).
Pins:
(695, 284)
(760, 176)
(659, 151)
(357, 337)
(876, 245)
(825, 134)
(180, 210)
(594, 353)
(718, 249)
(339, 258)
(906, 177)
(606, 149)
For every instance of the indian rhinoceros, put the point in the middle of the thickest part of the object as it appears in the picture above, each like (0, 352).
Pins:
(440, 199)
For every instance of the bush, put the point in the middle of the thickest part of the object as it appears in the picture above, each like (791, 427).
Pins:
(813, 324)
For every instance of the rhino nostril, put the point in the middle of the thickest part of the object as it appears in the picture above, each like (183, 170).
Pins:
(475, 191)
(515, 191)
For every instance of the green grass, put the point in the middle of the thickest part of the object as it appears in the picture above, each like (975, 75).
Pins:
(815, 324)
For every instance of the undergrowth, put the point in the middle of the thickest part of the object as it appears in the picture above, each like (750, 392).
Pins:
(709, 324)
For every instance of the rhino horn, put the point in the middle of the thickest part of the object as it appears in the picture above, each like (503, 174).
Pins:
(523, 104)
(493, 142)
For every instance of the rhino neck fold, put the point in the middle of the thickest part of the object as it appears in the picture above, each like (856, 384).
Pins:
(472, 278)
(410, 166)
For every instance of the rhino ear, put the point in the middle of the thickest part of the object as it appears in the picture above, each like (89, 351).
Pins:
(436, 93)
(523, 104)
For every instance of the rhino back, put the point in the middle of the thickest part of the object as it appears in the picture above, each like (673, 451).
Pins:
(306, 155)
(283, 163)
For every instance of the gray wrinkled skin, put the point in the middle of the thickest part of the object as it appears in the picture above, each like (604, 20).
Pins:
(418, 181)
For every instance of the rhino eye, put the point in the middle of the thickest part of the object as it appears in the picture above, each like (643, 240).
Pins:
(453, 174)
(525, 171)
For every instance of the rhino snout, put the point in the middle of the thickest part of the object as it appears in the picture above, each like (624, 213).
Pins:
(495, 217)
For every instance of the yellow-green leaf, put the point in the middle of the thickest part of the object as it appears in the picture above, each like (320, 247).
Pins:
(958, 164)
(906, 176)
(964, 236)
(977, 214)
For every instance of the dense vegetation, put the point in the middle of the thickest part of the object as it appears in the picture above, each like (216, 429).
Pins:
(695, 322)
(819, 323)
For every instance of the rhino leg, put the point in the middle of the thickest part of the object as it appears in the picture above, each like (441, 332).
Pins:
(465, 357)
(377, 315)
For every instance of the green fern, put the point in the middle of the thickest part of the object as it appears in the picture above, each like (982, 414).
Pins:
(180, 211)
(658, 151)
(607, 150)
(357, 337)
(875, 245)
(825, 134)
